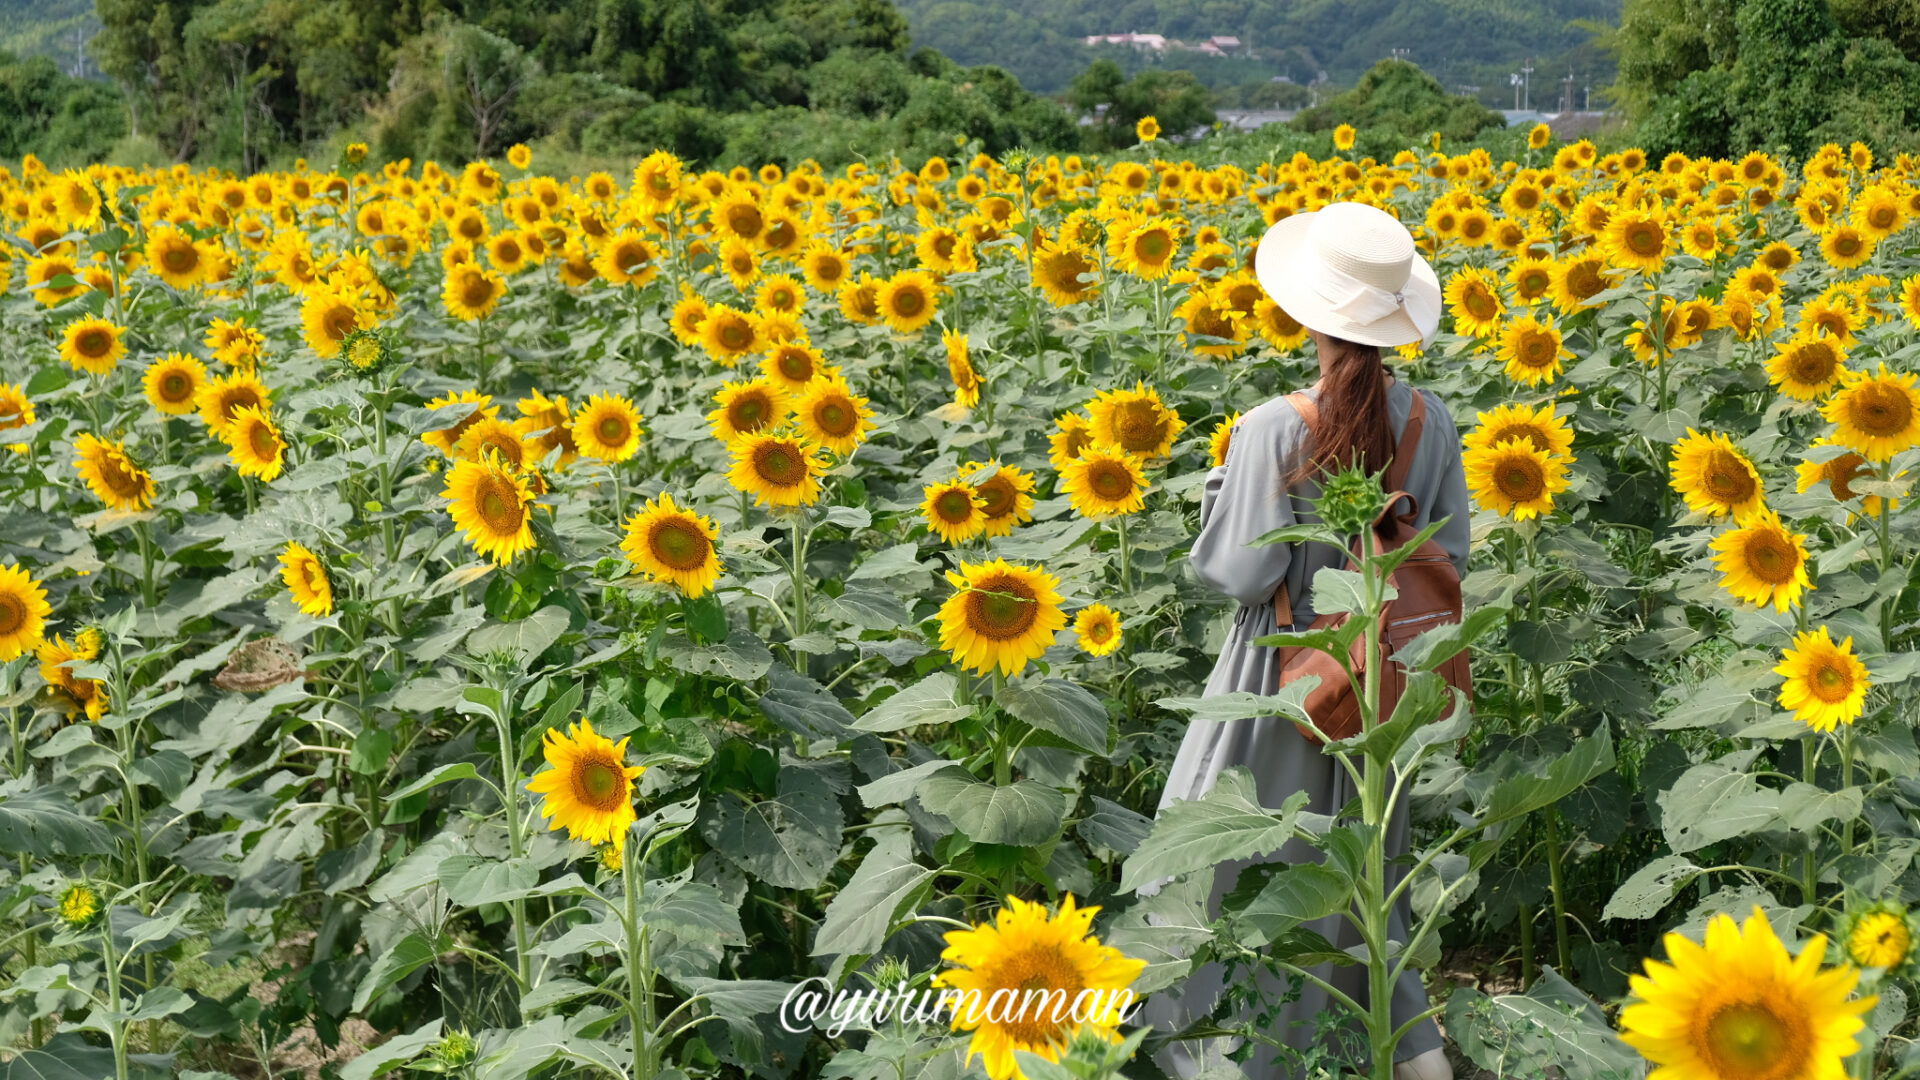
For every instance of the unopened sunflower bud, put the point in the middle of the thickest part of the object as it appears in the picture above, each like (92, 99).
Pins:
(1350, 501)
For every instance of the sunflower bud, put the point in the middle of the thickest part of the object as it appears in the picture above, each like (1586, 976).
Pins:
(455, 1049)
(1350, 501)
(1881, 936)
(80, 905)
(365, 351)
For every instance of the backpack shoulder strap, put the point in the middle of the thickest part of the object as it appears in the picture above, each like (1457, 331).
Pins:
(1402, 464)
(1310, 416)
(1305, 406)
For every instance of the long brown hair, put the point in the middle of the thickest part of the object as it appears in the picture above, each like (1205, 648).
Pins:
(1353, 424)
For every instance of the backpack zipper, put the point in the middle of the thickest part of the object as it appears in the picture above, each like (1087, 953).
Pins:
(1412, 619)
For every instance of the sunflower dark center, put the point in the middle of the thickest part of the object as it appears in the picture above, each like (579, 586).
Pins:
(1748, 1039)
(679, 543)
(264, 442)
(1879, 410)
(1110, 480)
(599, 783)
(1001, 608)
(779, 464)
(499, 505)
(953, 507)
(1521, 479)
(1771, 559)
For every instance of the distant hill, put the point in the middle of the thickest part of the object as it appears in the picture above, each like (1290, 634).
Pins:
(1459, 42)
(52, 28)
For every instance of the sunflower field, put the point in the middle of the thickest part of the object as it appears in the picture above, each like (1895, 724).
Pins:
(468, 621)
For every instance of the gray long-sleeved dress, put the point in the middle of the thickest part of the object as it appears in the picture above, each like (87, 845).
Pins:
(1243, 501)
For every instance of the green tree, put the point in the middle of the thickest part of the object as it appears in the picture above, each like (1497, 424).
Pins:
(1117, 104)
(1398, 102)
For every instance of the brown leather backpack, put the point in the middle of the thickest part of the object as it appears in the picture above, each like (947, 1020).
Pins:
(1428, 594)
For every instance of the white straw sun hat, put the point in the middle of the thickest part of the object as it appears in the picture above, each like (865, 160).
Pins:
(1350, 270)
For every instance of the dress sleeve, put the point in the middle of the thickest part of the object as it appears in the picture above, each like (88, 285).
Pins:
(1244, 500)
(1451, 499)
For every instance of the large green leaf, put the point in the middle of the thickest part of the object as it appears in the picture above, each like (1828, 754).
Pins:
(929, 701)
(393, 1053)
(408, 955)
(789, 841)
(1292, 895)
(1025, 812)
(1227, 822)
(525, 638)
(858, 919)
(1650, 888)
(42, 823)
(1060, 707)
(1712, 802)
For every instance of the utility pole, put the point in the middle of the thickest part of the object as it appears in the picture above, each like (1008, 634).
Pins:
(1587, 102)
(1513, 80)
(1526, 70)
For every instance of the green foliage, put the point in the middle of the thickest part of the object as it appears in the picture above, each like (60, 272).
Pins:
(1463, 41)
(1723, 77)
(1396, 103)
(1116, 103)
(63, 119)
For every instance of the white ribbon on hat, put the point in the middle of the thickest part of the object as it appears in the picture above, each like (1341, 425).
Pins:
(1354, 299)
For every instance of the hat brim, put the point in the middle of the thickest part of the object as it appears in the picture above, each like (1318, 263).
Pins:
(1282, 264)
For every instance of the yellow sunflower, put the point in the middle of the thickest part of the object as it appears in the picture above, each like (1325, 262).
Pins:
(1058, 271)
(1001, 615)
(1072, 435)
(777, 470)
(1098, 629)
(791, 366)
(1220, 440)
(1826, 683)
(23, 612)
(93, 345)
(1716, 477)
(173, 384)
(825, 267)
(1637, 239)
(607, 427)
(306, 578)
(1105, 482)
(493, 506)
(729, 334)
(1135, 421)
(1532, 350)
(1846, 247)
(1047, 965)
(1876, 415)
(832, 415)
(1474, 298)
(746, 408)
(954, 510)
(966, 379)
(1762, 563)
(1148, 249)
(907, 301)
(77, 695)
(1838, 475)
(112, 475)
(549, 423)
(472, 291)
(1147, 129)
(674, 545)
(175, 258)
(1880, 935)
(1537, 425)
(255, 444)
(490, 434)
(1006, 494)
(1740, 1008)
(587, 788)
(1805, 367)
(1515, 478)
(16, 411)
(688, 315)
(1576, 280)
(328, 316)
(447, 438)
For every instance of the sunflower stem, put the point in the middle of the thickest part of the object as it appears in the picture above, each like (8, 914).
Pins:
(1809, 761)
(1126, 557)
(116, 1028)
(149, 594)
(1002, 761)
(516, 841)
(639, 977)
